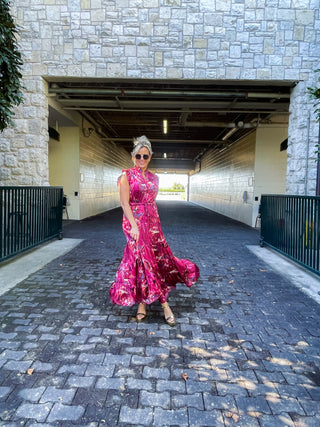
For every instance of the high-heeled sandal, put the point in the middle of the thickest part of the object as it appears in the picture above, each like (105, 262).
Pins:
(171, 320)
(142, 318)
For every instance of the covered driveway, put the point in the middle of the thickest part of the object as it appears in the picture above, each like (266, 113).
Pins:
(245, 350)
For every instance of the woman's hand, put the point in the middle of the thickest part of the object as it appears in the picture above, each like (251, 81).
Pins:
(134, 233)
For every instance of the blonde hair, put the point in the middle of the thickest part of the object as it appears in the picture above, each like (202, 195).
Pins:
(140, 142)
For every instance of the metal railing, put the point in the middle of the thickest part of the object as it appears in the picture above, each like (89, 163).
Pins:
(29, 216)
(290, 225)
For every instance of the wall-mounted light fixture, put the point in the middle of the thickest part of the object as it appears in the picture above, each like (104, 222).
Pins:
(87, 132)
(165, 126)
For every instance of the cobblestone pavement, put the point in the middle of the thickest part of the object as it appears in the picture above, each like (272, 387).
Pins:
(246, 338)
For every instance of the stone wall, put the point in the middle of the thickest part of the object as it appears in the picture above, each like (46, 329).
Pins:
(303, 137)
(162, 39)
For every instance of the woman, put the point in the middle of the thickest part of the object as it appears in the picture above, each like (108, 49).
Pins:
(148, 270)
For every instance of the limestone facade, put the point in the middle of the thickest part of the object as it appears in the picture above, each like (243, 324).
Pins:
(163, 39)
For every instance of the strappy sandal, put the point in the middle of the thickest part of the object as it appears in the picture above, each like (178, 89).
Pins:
(142, 317)
(171, 320)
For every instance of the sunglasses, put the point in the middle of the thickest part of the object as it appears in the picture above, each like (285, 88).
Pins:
(145, 156)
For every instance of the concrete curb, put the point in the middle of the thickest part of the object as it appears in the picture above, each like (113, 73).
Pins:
(19, 269)
(306, 282)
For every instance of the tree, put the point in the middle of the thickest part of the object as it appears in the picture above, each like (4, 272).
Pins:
(10, 66)
(177, 186)
(315, 95)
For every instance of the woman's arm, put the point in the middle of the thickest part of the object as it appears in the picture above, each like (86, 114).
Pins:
(124, 200)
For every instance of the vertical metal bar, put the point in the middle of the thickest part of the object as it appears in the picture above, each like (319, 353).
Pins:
(20, 218)
(40, 218)
(311, 222)
(23, 218)
(283, 222)
(1, 223)
(13, 220)
(33, 215)
(6, 222)
(288, 224)
(313, 249)
(40, 214)
(298, 227)
(316, 235)
(308, 227)
(295, 225)
(28, 217)
(292, 221)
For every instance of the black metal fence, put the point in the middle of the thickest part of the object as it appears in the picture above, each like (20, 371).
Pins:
(28, 216)
(290, 224)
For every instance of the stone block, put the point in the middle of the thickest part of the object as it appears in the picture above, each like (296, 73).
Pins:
(76, 381)
(155, 399)
(110, 383)
(59, 395)
(205, 418)
(4, 145)
(304, 17)
(187, 401)
(135, 383)
(98, 15)
(233, 72)
(62, 412)
(39, 412)
(136, 416)
(200, 43)
(223, 5)
(162, 373)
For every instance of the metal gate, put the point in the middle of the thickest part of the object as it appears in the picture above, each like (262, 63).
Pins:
(29, 216)
(290, 225)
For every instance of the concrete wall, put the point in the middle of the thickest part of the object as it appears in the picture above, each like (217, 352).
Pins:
(101, 164)
(64, 166)
(162, 39)
(303, 139)
(231, 179)
(224, 177)
(87, 169)
(270, 165)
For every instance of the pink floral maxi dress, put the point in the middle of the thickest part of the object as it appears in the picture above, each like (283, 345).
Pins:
(148, 270)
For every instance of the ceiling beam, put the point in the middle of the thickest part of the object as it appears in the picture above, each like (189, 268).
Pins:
(168, 93)
(171, 164)
(169, 141)
(239, 125)
(166, 105)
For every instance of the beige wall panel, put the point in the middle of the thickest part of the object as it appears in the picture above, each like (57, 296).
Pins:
(270, 164)
(64, 166)
(224, 177)
(101, 164)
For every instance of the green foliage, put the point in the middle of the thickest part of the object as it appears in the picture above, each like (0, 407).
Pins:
(10, 66)
(170, 190)
(177, 186)
(314, 93)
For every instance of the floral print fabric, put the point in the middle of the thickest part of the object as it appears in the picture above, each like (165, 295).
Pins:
(148, 270)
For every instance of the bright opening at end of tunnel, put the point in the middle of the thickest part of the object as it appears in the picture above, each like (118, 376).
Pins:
(172, 186)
